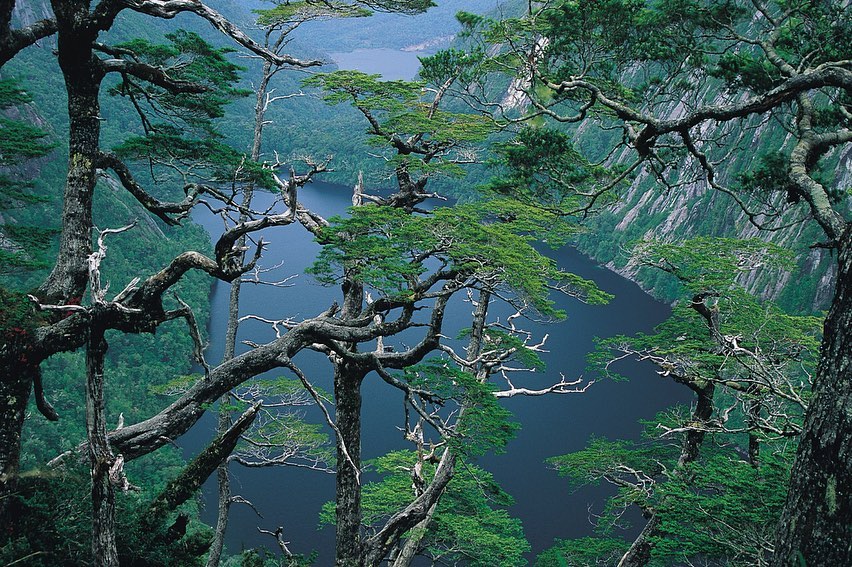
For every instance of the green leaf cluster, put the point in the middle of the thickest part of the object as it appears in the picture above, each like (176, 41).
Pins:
(542, 166)
(470, 524)
(388, 248)
(720, 508)
(401, 116)
(711, 263)
(190, 59)
(485, 425)
(503, 341)
(21, 245)
(723, 507)
(297, 11)
(583, 552)
(179, 127)
(208, 156)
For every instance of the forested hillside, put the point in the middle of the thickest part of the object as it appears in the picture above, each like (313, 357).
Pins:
(703, 147)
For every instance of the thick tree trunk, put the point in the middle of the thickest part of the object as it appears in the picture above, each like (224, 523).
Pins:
(15, 386)
(83, 75)
(101, 459)
(67, 282)
(816, 525)
(347, 394)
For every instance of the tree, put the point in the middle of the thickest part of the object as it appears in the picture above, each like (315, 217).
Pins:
(392, 258)
(468, 524)
(783, 65)
(749, 365)
(391, 254)
(153, 83)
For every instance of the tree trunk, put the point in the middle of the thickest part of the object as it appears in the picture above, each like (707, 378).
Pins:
(640, 550)
(15, 389)
(411, 546)
(816, 525)
(222, 475)
(83, 75)
(101, 458)
(347, 394)
(180, 489)
(639, 553)
(223, 509)
(67, 282)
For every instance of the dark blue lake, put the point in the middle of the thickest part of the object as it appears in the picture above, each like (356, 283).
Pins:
(551, 425)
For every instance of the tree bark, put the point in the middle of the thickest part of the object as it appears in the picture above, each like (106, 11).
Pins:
(196, 473)
(411, 546)
(639, 552)
(816, 525)
(347, 395)
(223, 478)
(101, 459)
(15, 389)
(83, 74)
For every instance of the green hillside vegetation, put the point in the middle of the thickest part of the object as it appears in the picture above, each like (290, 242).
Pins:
(700, 146)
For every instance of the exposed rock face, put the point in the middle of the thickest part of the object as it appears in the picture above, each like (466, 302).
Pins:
(692, 208)
(30, 11)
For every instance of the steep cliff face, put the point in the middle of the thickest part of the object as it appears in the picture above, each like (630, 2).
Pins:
(682, 205)
(649, 210)
(25, 13)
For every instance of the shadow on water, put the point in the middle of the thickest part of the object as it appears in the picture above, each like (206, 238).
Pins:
(551, 425)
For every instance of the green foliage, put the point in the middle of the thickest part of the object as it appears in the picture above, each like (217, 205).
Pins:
(265, 558)
(718, 507)
(179, 129)
(770, 175)
(450, 65)
(745, 70)
(502, 341)
(786, 343)
(611, 460)
(178, 384)
(707, 263)
(54, 524)
(188, 59)
(470, 523)
(541, 165)
(20, 141)
(386, 248)
(21, 245)
(583, 552)
(484, 424)
(417, 137)
(288, 434)
(208, 156)
(296, 12)
(723, 507)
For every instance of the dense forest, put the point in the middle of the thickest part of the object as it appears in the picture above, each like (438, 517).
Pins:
(701, 147)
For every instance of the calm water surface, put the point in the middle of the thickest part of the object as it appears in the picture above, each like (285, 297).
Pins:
(551, 425)
(392, 64)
